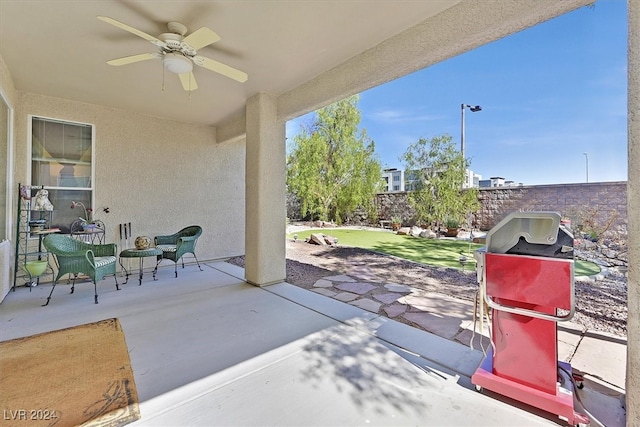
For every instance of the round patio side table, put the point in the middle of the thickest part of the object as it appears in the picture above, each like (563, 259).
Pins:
(140, 254)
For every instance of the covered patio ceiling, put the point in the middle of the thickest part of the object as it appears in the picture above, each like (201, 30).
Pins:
(307, 53)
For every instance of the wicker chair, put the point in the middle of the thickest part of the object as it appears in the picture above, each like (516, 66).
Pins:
(74, 256)
(175, 246)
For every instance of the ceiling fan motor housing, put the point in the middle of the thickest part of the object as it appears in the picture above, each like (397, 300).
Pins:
(174, 43)
(177, 28)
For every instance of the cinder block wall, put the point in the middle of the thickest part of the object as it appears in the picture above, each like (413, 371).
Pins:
(571, 200)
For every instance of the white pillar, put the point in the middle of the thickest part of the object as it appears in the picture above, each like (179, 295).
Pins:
(265, 180)
(633, 208)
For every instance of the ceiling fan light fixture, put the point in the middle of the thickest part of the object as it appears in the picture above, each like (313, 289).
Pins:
(178, 52)
(177, 63)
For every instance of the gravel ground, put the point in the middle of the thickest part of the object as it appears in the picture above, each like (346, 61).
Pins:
(600, 305)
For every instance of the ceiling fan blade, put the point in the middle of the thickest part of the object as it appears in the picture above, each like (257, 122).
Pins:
(201, 37)
(188, 81)
(131, 59)
(220, 68)
(132, 30)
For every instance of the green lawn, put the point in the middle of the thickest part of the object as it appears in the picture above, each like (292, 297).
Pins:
(437, 252)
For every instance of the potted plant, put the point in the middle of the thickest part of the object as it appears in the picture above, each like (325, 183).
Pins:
(396, 223)
(452, 225)
(89, 222)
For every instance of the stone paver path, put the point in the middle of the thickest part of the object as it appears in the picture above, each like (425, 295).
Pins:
(439, 314)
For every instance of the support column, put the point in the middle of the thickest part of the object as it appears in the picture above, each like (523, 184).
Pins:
(265, 180)
(633, 208)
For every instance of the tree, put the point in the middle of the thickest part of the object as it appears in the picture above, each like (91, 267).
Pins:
(332, 168)
(437, 170)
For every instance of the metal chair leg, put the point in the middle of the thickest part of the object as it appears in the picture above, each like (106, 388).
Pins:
(197, 262)
(50, 293)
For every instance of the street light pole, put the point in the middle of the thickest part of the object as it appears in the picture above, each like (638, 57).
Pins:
(586, 158)
(474, 109)
(462, 132)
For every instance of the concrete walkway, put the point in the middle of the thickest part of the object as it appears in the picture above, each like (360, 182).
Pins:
(600, 357)
(208, 349)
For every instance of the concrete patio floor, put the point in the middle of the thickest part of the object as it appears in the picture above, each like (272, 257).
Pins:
(209, 349)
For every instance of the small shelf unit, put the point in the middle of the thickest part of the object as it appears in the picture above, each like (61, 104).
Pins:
(32, 227)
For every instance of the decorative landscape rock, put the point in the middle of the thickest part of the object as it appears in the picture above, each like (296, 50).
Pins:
(415, 231)
(321, 239)
(610, 251)
(330, 240)
(404, 231)
(317, 239)
(428, 234)
(323, 224)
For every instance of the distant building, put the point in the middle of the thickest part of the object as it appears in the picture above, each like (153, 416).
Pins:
(411, 181)
(498, 181)
(393, 180)
(471, 179)
(398, 180)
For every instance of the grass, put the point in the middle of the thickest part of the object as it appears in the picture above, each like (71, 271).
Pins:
(436, 252)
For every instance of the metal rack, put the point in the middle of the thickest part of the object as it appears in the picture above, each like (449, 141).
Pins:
(32, 227)
(93, 234)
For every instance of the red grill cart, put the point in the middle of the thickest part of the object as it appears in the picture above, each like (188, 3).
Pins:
(525, 274)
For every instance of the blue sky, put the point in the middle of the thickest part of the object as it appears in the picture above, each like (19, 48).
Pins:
(548, 95)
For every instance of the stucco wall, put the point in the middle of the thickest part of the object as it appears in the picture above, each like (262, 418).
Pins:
(6, 82)
(157, 174)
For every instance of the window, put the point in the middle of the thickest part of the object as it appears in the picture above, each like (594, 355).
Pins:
(396, 177)
(62, 162)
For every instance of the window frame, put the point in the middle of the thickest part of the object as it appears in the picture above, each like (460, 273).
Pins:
(91, 188)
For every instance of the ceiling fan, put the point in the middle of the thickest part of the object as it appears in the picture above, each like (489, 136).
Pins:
(178, 53)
